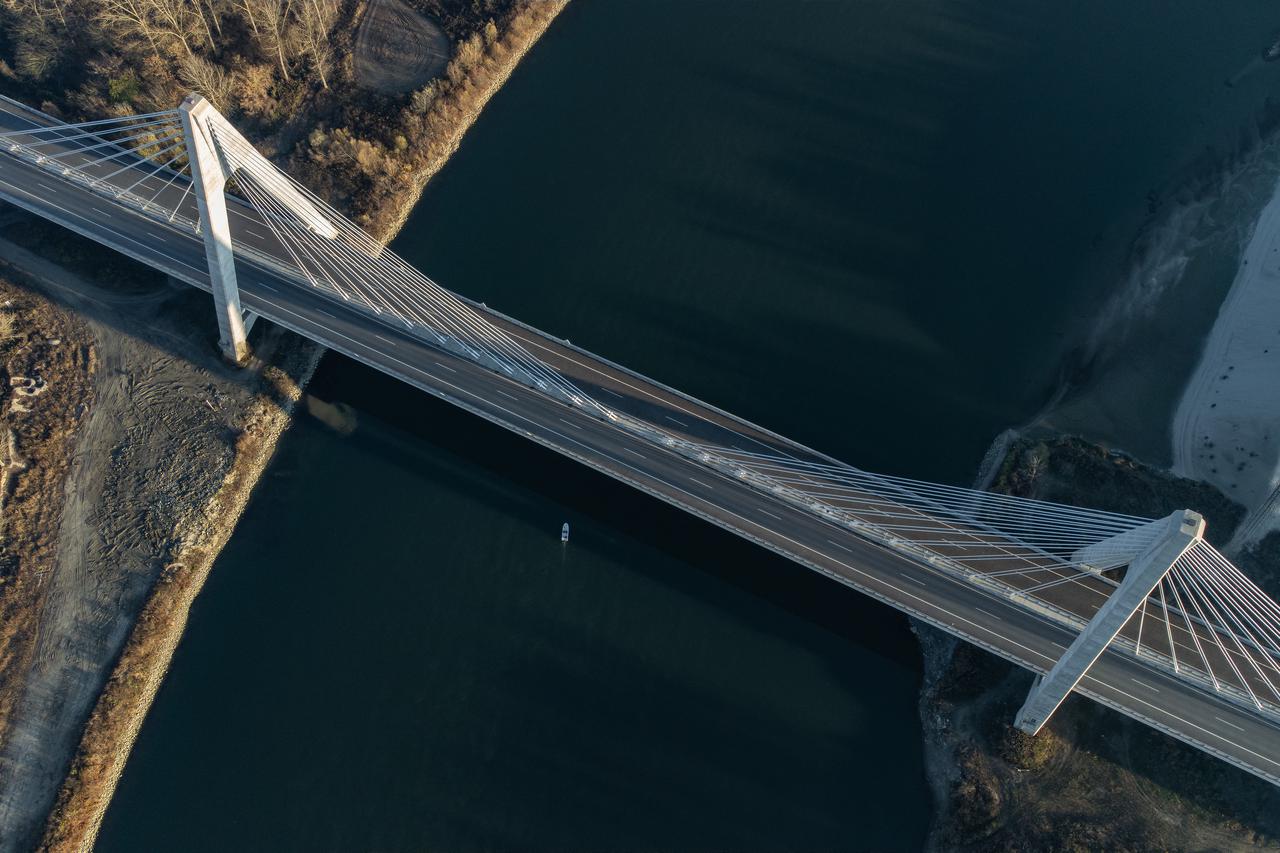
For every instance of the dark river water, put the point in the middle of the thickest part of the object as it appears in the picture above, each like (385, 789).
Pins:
(877, 226)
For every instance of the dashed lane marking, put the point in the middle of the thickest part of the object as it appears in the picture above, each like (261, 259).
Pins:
(1229, 723)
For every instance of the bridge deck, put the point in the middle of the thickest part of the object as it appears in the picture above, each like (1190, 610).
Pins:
(1032, 639)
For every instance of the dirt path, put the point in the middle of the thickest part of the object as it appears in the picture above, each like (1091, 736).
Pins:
(156, 444)
(398, 50)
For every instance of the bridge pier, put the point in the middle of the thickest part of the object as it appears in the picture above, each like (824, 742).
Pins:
(1148, 561)
(209, 177)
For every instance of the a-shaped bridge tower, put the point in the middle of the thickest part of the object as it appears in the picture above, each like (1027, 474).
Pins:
(216, 153)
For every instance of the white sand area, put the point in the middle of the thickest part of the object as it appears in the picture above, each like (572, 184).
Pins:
(1226, 430)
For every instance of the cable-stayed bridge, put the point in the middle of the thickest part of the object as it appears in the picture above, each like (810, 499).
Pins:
(1142, 615)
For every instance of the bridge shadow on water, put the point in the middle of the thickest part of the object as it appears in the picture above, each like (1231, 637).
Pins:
(591, 496)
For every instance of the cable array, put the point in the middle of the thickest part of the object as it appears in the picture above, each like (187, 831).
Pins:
(142, 160)
(351, 266)
(996, 535)
(1208, 616)
(138, 159)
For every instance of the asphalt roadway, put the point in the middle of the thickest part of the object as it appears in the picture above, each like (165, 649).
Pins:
(1225, 728)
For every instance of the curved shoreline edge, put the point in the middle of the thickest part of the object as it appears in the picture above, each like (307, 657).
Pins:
(121, 708)
(1226, 427)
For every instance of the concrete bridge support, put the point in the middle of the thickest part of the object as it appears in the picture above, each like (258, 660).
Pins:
(210, 179)
(216, 151)
(1148, 564)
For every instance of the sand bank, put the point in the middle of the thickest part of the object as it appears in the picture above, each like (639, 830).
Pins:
(1226, 428)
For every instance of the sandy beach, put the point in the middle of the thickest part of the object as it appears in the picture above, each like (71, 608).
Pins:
(1226, 428)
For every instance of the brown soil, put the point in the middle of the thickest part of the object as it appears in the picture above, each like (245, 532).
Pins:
(397, 49)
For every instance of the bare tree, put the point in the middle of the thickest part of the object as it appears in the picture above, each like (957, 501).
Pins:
(37, 50)
(163, 23)
(43, 10)
(181, 20)
(273, 28)
(248, 8)
(316, 20)
(208, 79)
(213, 10)
(129, 17)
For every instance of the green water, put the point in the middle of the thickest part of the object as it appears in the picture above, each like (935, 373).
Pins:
(878, 227)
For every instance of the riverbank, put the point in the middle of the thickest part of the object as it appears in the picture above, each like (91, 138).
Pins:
(451, 116)
(154, 436)
(286, 364)
(1225, 428)
(120, 710)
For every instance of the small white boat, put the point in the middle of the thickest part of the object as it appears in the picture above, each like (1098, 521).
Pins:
(564, 532)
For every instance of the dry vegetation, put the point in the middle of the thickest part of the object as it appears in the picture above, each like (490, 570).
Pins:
(282, 70)
(45, 386)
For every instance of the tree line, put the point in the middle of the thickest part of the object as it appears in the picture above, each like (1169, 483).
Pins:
(96, 56)
(281, 69)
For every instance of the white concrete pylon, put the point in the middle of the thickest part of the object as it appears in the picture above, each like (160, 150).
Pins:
(209, 177)
(1173, 536)
(216, 152)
